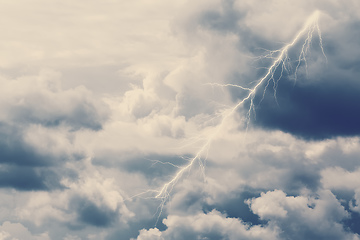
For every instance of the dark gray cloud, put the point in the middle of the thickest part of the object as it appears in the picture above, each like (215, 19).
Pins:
(234, 206)
(89, 213)
(25, 168)
(14, 151)
(302, 177)
(352, 224)
(316, 107)
(84, 115)
(326, 108)
(29, 178)
(322, 104)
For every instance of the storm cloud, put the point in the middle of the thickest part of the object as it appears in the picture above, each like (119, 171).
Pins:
(124, 120)
(323, 103)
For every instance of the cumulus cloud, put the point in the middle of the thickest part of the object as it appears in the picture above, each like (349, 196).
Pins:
(103, 102)
(10, 231)
(301, 217)
(37, 121)
(40, 100)
(212, 225)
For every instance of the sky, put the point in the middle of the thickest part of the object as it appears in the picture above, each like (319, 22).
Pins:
(208, 119)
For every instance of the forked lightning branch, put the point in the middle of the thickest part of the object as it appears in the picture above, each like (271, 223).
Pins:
(280, 62)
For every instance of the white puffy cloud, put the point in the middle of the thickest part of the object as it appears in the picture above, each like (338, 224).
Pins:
(140, 74)
(212, 225)
(151, 234)
(302, 217)
(339, 178)
(15, 231)
(41, 100)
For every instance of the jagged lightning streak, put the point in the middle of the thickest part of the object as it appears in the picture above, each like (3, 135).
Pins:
(279, 62)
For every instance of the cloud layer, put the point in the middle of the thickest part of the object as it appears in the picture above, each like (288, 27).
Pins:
(103, 103)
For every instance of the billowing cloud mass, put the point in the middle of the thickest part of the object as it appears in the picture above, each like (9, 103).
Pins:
(151, 120)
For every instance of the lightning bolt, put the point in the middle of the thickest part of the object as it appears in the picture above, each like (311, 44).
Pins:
(280, 61)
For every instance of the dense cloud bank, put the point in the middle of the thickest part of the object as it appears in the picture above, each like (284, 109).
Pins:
(323, 103)
(103, 103)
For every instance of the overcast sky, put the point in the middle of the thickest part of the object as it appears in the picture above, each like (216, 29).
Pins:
(152, 120)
